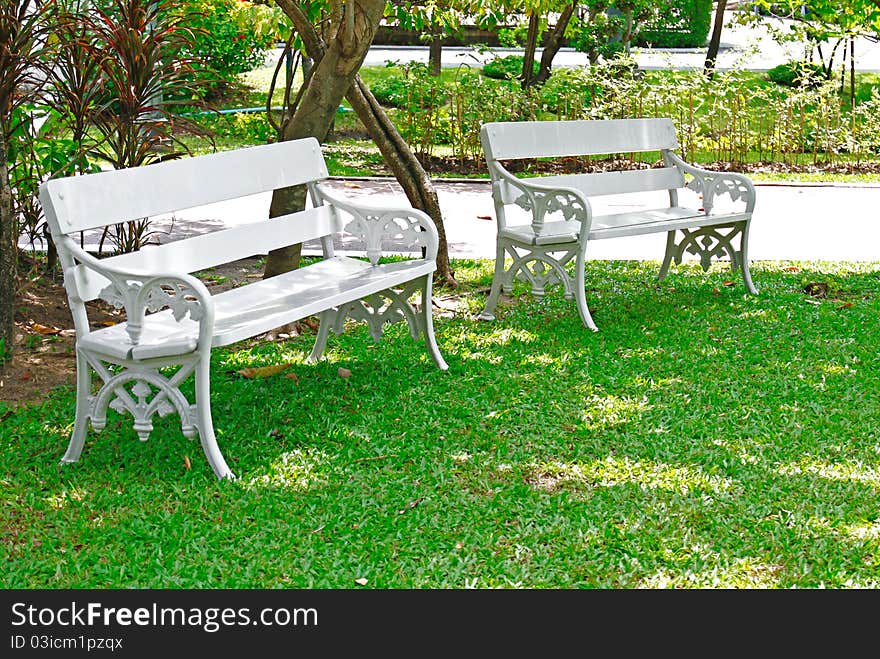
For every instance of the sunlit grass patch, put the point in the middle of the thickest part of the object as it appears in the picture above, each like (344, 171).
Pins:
(298, 470)
(611, 472)
(742, 573)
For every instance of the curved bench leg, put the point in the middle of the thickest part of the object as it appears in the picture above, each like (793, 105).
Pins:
(80, 425)
(428, 325)
(205, 423)
(744, 260)
(581, 293)
(488, 312)
(667, 258)
(325, 320)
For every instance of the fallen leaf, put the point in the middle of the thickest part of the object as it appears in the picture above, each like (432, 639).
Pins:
(729, 283)
(256, 372)
(44, 329)
(845, 305)
(362, 581)
(792, 268)
(343, 372)
(292, 376)
(108, 323)
(25, 376)
(716, 291)
(349, 184)
(411, 505)
(484, 217)
(186, 463)
(812, 301)
(459, 545)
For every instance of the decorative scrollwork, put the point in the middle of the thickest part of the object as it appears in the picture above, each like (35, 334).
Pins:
(709, 243)
(540, 269)
(380, 309)
(719, 185)
(137, 297)
(173, 294)
(150, 394)
(541, 204)
(380, 230)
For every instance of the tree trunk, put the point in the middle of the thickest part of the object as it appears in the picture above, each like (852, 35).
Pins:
(554, 43)
(8, 260)
(715, 40)
(402, 161)
(336, 64)
(527, 75)
(407, 169)
(852, 73)
(435, 54)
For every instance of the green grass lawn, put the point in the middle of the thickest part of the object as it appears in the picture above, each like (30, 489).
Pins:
(702, 438)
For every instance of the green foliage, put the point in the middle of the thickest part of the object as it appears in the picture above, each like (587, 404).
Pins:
(677, 24)
(229, 37)
(245, 128)
(596, 34)
(702, 439)
(391, 90)
(797, 73)
(508, 67)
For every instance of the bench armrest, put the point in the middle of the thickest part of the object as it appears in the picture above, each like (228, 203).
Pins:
(542, 200)
(139, 292)
(713, 184)
(373, 223)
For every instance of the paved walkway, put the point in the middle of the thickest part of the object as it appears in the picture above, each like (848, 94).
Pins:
(791, 222)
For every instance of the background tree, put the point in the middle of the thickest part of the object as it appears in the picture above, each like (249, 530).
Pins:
(820, 22)
(337, 38)
(715, 39)
(24, 27)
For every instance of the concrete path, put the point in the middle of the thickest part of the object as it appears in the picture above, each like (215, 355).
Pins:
(791, 222)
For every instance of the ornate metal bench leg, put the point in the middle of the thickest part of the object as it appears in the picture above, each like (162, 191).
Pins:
(744, 260)
(80, 426)
(326, 320)
(205, 423)
(489, 308)
(670, 254)
(581, 293)
(428, 324)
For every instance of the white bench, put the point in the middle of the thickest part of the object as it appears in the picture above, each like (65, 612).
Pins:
(171, 318)
(559, 222)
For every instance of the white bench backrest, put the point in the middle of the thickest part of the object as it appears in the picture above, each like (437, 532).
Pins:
(556, 139)
(513, 140)
(78, 203)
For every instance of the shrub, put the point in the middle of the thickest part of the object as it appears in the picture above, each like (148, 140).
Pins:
(506, 68)
(797, 74)
(390, 90)
(677, 24)
(230, 36)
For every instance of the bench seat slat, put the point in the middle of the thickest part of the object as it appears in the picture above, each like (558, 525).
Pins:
(606, 183)
(248, 311)
(620, 224)
(211, 249)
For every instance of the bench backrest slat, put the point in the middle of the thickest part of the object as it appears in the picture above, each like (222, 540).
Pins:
(536, 139)
(606, 183)
(78, 203)
(208, 250)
